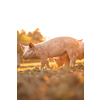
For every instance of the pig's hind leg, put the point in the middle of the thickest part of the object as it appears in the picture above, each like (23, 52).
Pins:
(73, 56)
(66, 60)
(47, 63)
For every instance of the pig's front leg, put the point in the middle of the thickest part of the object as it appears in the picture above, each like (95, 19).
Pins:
(43, 62)
(47, 63)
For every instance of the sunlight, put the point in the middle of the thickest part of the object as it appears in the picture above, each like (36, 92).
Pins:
(52, 24)
(49, 32)
(47, 38)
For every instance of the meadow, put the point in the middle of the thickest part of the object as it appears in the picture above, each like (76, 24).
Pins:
(54, 83)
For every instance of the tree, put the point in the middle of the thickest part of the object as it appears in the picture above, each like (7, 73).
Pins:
(30, 34)
(23, 32)
(18, 36)
(37, 35)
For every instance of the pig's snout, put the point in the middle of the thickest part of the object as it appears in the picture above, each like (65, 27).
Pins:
(22, 56)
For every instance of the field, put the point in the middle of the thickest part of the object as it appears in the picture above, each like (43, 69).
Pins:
(54, 83)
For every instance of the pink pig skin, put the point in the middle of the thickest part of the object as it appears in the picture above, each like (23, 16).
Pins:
(52, 48)
(66, 60)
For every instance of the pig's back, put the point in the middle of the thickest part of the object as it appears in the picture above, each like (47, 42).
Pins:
(57, 46)
(61, 41)
(54, 46)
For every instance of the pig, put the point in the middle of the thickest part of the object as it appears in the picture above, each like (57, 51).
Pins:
(24, 49)
(52, 48)
(66, 60)
(61, 60)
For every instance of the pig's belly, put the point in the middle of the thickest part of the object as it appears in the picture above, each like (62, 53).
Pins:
(56, 53)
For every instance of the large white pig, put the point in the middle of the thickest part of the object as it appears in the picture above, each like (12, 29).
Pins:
(65, 58)
(52, 48)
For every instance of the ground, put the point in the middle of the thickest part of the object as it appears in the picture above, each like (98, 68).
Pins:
(54, 83)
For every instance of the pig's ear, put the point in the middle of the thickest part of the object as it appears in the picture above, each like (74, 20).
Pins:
(80, 40)
(31, 45)
(22, 47)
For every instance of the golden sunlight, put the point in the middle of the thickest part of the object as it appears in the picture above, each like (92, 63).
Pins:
(47, 38)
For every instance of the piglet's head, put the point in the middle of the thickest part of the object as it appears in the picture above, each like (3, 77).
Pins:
(28, 51)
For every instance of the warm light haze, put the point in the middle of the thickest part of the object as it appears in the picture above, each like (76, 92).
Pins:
(53, 18)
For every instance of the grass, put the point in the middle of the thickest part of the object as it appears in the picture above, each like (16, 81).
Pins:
(51, 63)
(63, 83)
(34, 64)
(31, 66)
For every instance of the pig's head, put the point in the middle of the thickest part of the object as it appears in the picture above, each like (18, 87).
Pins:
(28, 51)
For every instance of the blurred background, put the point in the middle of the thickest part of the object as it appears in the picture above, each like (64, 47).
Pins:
(24, 38)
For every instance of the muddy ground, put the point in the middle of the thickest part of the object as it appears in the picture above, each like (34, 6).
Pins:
(62, 83)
